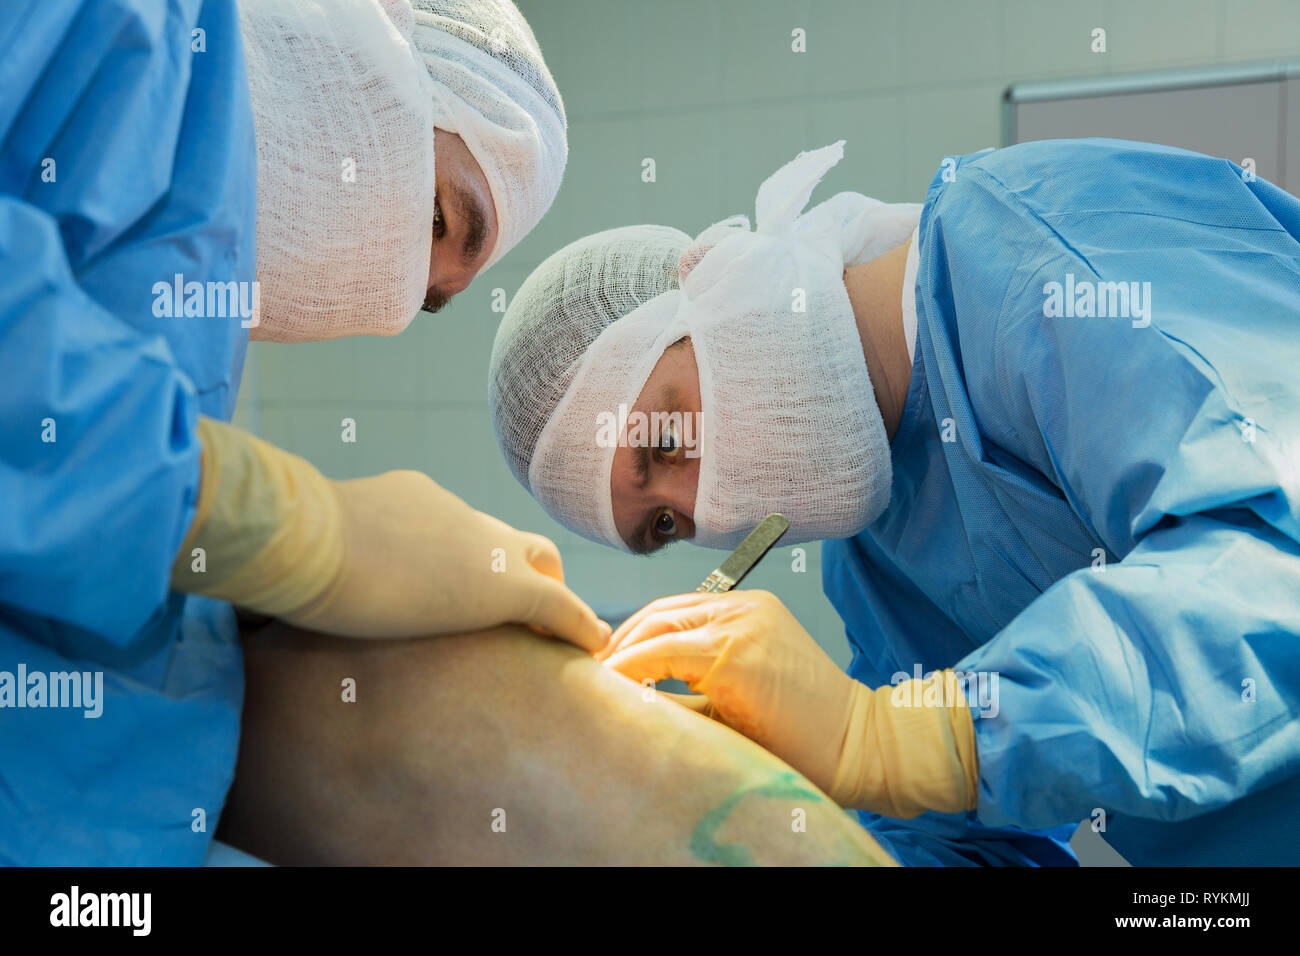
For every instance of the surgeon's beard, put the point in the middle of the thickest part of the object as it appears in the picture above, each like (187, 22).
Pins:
(790, 420)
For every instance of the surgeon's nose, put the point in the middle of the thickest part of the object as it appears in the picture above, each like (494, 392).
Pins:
(679, 486)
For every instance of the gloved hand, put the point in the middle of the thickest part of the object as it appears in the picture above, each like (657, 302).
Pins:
(390, 556)
(764, 676)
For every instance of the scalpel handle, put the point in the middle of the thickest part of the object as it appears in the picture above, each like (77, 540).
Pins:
(749, 553)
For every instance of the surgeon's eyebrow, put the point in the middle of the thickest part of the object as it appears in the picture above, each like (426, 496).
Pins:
(472, 213)
(638, 540)
(665, 401)
(641, 462)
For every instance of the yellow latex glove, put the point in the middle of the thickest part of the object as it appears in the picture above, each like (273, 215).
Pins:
(390, 556)
(764, 676)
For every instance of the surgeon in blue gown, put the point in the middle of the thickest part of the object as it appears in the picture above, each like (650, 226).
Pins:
(1115, 531)
(127, 157)
(152, 170)
(1095, 504)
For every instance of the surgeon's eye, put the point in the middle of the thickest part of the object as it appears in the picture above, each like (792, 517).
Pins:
(439, 224)
(669, 446)
(665, 526)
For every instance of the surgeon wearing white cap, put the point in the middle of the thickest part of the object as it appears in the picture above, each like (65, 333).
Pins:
(1062, 528)
(357, 158)
(401, 148)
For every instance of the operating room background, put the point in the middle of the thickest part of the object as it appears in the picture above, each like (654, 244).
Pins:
(713, 93)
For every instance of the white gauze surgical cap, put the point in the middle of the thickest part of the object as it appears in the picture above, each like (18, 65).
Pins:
(561, 309)
(789, 420)
(346, 95)
(496, 93)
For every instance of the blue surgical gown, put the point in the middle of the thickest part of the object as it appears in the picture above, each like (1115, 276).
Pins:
(127, 156)
(1102, 512)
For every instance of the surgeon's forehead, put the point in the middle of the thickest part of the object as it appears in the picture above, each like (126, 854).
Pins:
(661, 391)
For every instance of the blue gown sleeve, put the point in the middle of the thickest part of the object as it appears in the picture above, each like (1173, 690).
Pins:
(99, 456)
(1163, 681)
(959, 839)
(1161, 687)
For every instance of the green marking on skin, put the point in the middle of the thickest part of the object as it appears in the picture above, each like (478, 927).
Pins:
(705, 847)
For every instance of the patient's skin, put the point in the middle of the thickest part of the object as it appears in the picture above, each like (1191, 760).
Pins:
(448, 735)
